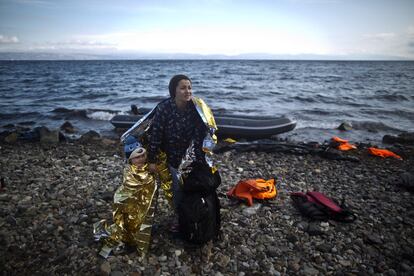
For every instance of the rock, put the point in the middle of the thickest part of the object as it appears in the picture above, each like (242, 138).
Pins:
(105, 268)
(90, 136)
(67, 127)
(11, 138)
(291, 238)
(303, 225)
(273, 251)
(252, 210)
(371, 238)
(325, 248)
(108, 142)
(345, 126)
(406, 138)
(272, 271)
(405, 267)
(294, 266)
(82, 218)
(345, 263)
(309, 270)
(406, 181)
(47, 136)
(391, 272)
(108, 196)
(222, 260)
(134, 109)
(314, 229)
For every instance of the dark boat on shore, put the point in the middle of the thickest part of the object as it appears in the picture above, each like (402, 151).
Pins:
(233, 126)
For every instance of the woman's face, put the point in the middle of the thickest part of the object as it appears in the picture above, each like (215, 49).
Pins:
(183, 92)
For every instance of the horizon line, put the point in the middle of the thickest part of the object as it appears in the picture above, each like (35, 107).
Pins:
(205, 59)
(70, 55)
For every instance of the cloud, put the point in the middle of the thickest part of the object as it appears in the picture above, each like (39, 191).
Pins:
(410, 47)
(8, 39)
(410, 31)
(381, 36)
(73, 45)
(83, 43)
(229, 41)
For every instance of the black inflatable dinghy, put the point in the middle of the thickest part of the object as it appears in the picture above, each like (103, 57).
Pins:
(233, 126)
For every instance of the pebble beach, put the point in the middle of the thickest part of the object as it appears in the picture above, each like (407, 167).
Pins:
(52, 193)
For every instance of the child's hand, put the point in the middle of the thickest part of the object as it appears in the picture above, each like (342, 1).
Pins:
(152, 167)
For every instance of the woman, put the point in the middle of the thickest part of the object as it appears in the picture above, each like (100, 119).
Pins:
(178, 130)
(175, 125)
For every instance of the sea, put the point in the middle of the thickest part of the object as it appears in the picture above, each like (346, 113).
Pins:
(375, 97)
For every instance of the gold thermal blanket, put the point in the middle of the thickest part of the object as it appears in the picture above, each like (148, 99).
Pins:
(133, 212)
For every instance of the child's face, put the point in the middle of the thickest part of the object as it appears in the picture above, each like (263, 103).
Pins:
(139, 161)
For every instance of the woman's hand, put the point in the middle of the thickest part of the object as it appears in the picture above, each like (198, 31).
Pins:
(152, 167)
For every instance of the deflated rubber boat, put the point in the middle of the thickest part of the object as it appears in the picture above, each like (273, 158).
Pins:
(233, 126)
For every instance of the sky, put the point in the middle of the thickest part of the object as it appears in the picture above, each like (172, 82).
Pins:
(361, 29)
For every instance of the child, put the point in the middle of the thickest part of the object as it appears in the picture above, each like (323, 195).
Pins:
(133, 209)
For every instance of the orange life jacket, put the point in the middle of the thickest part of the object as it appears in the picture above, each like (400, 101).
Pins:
(339, 140)
(383, 153)
(343, 144)
(254, 188)
(346, 146)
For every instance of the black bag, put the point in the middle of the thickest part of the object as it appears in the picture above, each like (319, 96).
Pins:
(199, 211)
(201, 179)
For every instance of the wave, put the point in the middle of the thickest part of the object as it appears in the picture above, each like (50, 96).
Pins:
(387, 96)
(102, 115)
(316, 125)
(8, 116)
(258, 78)
(151, 99)
(373, 126)
(238, 98)
(98, 114)
(66, 113)
(288, 77)
(97, 96)
(394, 98)
(397, 113)
(236, 87)
(318, 112)
(303, 99)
